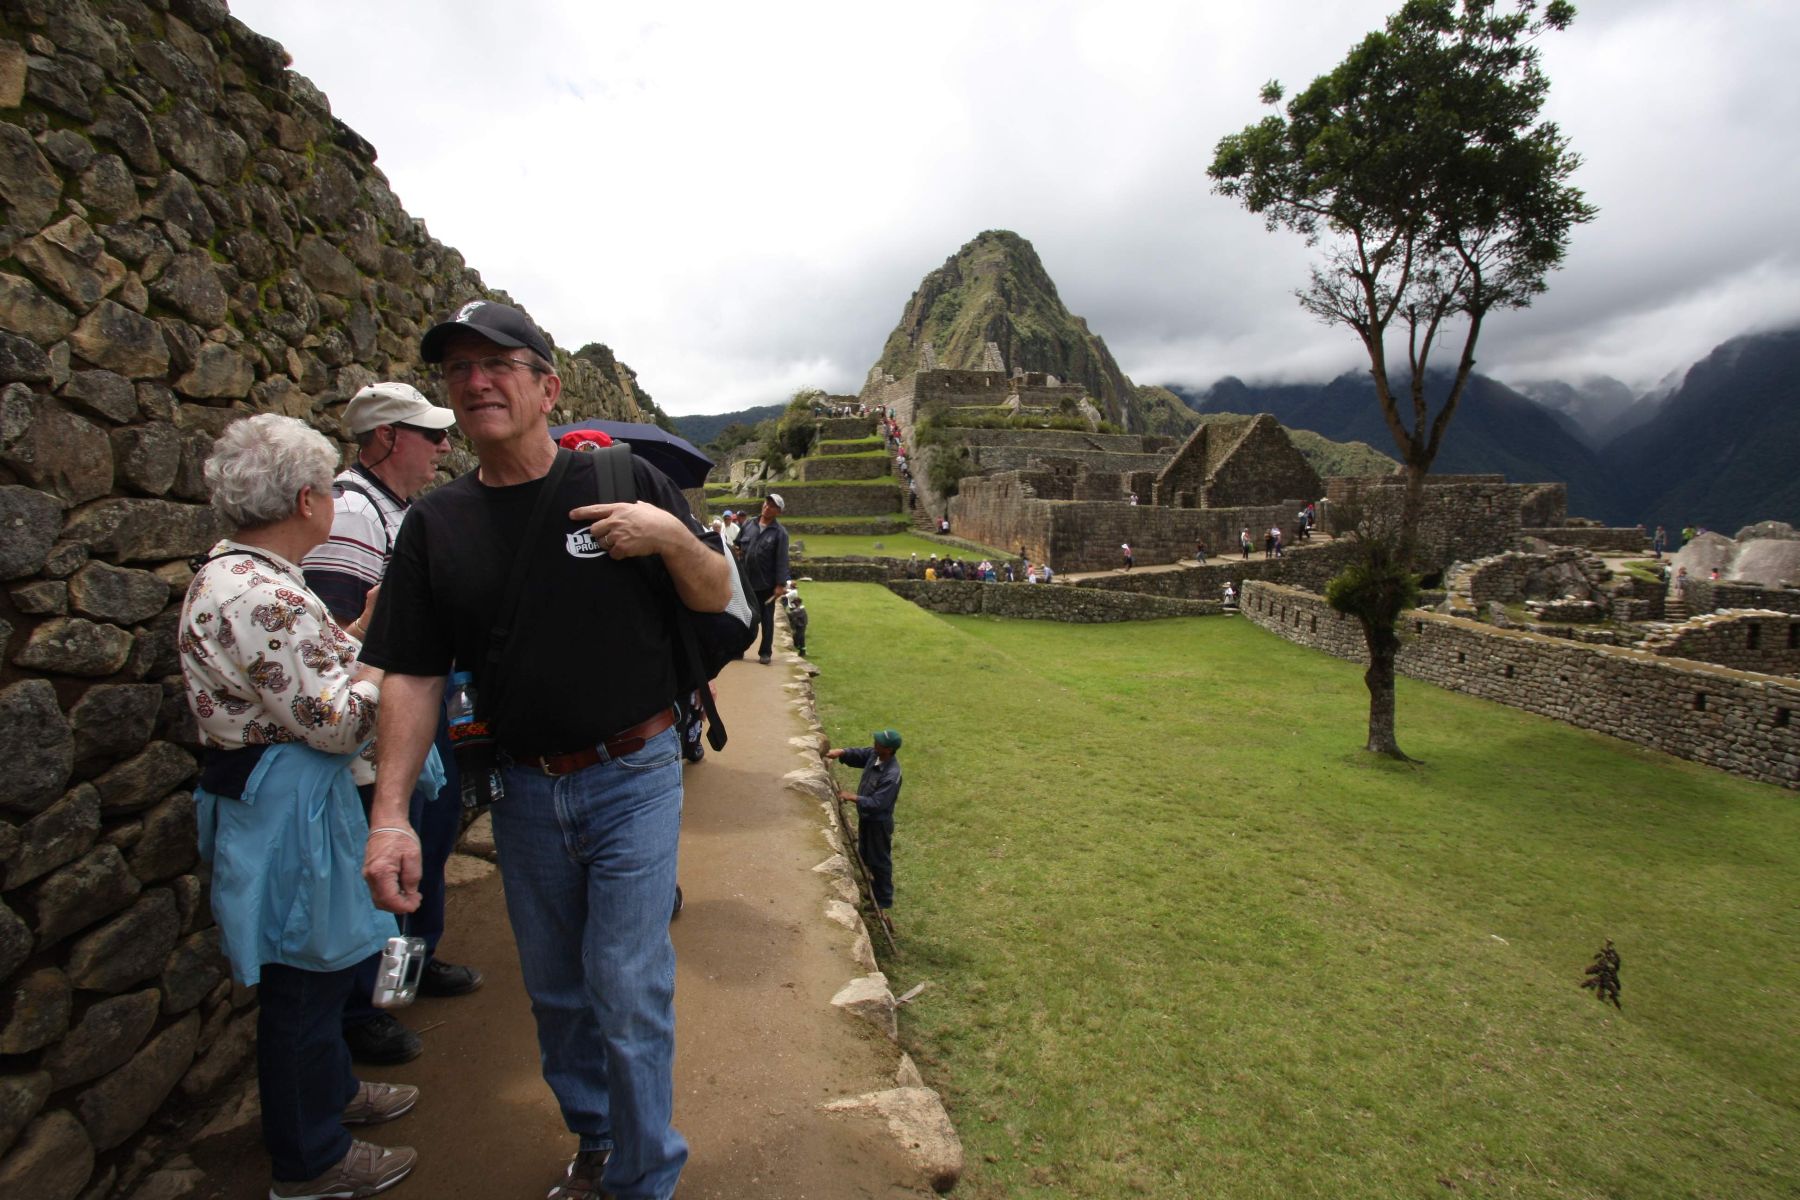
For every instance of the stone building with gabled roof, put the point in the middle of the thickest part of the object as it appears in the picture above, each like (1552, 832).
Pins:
(1236, 463)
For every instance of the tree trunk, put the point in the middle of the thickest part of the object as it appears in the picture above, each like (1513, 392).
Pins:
(1384, 646)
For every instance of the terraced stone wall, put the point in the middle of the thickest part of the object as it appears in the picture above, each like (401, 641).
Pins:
(1053, 602)
(1738, 721)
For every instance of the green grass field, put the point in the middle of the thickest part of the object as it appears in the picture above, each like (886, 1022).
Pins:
(1185, 939)
(888, 545)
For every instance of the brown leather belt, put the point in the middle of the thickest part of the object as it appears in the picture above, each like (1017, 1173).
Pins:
(626, 741)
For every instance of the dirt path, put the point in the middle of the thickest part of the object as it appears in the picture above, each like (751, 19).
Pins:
(759, 1046)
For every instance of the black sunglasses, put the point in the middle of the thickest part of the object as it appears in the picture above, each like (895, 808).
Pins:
(434, 436)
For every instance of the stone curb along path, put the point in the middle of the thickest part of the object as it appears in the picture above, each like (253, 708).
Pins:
(914, 1113)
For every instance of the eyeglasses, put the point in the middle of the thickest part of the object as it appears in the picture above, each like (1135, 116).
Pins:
(495, 366)
(434, 436)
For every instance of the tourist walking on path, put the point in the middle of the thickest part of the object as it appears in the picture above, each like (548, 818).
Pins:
(875, 795)
(588, 824)
(1125, 551)
(1659, 543)
(765, 547)
(1244, 541)
(283, 707)
(401, 437)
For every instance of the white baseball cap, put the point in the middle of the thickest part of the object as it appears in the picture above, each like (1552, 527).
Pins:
(394, 403)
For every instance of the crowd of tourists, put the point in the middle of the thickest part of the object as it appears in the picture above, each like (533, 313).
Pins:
(345, 648)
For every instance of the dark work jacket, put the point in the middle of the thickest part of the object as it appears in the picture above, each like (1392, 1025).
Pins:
(880, 784)
(765, 555)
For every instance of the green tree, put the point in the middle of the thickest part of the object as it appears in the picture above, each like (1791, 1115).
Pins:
(1420, 166)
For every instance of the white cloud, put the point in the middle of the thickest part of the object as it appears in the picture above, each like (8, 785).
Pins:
(739, 199)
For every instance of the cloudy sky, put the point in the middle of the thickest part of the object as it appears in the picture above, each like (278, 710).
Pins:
(739, 198)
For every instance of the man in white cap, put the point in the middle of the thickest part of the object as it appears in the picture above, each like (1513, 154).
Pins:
(766, 562)
(401, 437)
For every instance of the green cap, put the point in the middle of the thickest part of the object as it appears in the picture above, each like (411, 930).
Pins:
(888, 737)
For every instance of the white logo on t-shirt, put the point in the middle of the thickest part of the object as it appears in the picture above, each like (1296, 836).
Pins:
(581, 544)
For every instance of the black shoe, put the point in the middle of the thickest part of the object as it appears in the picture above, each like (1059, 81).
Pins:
(448, 979)
(677, 911)
(383, 1040)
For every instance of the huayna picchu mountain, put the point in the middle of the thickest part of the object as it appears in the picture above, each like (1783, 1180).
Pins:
(995, 292)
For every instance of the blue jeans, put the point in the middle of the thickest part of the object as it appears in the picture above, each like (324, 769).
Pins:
(303, 1069)
(588, 862)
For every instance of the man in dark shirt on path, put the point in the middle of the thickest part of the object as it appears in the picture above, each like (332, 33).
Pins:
(875, 795)
(765, 552)
(590, 759)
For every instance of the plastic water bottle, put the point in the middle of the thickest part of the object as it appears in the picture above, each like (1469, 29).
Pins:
(473, 744)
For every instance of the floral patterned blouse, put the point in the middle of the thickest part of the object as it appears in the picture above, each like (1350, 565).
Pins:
(265, 662)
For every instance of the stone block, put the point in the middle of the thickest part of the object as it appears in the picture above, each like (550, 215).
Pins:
(26, 310)
(72, 261)
(15, 940)
(73, 646)
(145, 778)
(51, 1161)
(128, 949)
(117, 1107)
(12, 88)
(200, 145)
(868, 998)
(114, 338)
(58, 452)
(195, 967)
(22, 1097)
(190, 285)
(219, 373)
(104, 1039)
(35, 745)
(108, 190)
(36, 1013)
(22, 360)
(60, 834)
(27, 180)
(169, 843)
(104, 394)
(114, 719)
(144, 530)
(120, 595)
(223, 1060)
(916, 1118)
(29, 522)
(94, 886)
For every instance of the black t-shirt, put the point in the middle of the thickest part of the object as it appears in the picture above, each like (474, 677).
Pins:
(590, 652)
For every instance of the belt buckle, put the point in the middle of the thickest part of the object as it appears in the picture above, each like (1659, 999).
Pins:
(544, 766)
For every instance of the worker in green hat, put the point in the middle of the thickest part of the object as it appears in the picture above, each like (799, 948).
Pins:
(875, 795)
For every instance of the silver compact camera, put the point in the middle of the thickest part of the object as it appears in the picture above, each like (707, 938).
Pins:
(397, 982)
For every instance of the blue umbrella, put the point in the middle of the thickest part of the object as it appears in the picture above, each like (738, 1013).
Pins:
(673, 456)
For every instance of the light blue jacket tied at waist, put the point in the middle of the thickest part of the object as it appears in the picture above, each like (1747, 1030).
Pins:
(287, 884)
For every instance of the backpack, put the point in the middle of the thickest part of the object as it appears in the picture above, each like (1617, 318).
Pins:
(704, 642)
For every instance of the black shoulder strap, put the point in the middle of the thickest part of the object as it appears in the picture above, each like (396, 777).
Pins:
(380, 517)
(506, 618)
(614, 483)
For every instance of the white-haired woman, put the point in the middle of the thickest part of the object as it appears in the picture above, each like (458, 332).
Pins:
(283, 708)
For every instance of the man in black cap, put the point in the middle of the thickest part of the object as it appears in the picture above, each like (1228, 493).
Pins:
(875, 795)
(590, 757)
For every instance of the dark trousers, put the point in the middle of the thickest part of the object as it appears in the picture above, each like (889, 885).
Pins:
(875, 842)
(797, 626)
(303, 1068)
(765, 600)
(438, 821)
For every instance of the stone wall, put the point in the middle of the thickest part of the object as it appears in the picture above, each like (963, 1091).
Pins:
(831, 499)
(1465, 516)
(844, 466)
(1738, 721)
(1619, 540)
(1078, 532)
(189, 235)
(1232, 464)
(1711, 595)
(1053, 602)
(1308, 566)
(993, 459)
(842, 428)
(1746, 639)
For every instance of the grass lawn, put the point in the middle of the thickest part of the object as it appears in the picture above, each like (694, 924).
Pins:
(888, 545)
(1185, 939)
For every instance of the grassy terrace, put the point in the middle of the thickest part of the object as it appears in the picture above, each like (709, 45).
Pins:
(891, 545)
(1184, 939)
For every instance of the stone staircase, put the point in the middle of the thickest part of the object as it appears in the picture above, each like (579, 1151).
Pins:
(1675, 608)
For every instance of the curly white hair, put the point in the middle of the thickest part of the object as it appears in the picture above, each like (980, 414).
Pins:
(259, 464)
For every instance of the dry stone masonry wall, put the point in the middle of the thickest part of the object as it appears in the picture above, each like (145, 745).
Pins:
(188, 235)
(1738, 721)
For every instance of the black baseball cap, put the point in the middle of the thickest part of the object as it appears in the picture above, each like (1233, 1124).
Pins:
(499, 323)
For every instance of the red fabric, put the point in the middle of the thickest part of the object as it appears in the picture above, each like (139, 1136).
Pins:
(577, 439)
